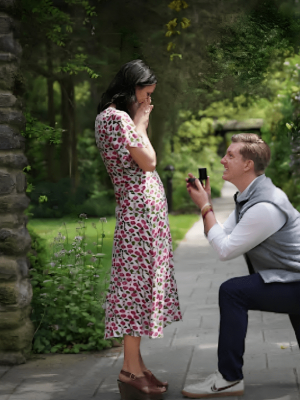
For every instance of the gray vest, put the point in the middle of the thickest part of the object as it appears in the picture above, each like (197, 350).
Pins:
(277, 259)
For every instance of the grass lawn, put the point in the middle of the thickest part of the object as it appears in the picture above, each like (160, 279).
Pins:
(49, 228)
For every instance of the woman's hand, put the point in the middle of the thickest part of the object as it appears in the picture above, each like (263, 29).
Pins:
(199, 194)
(141, 115)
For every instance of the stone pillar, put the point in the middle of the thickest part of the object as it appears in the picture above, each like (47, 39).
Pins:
(16, 329)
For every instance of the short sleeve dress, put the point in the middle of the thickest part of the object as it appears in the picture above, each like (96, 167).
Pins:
(142, 297)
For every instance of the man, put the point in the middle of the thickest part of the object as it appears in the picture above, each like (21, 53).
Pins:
(265, 228)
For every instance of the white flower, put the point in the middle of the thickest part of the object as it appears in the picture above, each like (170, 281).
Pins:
(103, 220)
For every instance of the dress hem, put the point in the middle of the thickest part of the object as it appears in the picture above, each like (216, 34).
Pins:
(144, 335)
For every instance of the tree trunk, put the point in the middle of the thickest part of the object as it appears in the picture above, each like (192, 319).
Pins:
(16, 329)
(50, 148)
(69, 167)
(158, 120)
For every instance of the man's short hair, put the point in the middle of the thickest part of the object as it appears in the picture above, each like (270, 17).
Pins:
(254, 149)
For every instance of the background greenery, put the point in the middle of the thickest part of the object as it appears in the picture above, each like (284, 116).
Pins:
(215, 61)
(71, 261)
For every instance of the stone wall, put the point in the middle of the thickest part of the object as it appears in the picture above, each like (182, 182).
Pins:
(16, 329)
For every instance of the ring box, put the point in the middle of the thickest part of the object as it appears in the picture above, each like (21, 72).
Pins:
(202, 176)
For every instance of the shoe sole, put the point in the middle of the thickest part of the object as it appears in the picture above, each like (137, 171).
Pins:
(207, 395)
(128, 392)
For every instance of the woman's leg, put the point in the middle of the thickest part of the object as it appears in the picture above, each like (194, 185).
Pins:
(150, 376)
(132, 355)
(134, 364)
(143, 366)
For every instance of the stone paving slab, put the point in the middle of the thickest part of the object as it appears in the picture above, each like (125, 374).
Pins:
(188, 351)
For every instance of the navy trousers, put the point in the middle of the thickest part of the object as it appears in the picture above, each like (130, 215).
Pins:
(236, 297)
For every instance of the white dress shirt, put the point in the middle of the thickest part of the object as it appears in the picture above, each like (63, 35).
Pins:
(257, 224)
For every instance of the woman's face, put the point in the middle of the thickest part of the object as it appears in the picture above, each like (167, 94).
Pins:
(143, 93)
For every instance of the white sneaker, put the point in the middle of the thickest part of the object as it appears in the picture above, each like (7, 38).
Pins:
(214, 386)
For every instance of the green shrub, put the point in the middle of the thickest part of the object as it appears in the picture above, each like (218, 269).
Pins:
(69, 289)
(194, 146)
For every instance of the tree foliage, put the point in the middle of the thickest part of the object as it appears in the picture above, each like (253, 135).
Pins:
(219, 51)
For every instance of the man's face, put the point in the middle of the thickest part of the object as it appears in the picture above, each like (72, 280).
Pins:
(234, 163)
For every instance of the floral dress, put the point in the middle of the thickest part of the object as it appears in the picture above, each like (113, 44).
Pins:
(142, 297)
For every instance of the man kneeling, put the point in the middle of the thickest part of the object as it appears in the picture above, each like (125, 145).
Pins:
(265, 228)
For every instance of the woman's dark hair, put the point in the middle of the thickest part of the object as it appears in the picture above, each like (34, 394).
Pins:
(121, 90)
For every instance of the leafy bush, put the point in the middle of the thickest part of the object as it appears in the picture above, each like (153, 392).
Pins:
(62, 200)
(194, 146)
(68, 293)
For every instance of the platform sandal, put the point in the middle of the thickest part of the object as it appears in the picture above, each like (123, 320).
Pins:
(152, 378)
(138, 388)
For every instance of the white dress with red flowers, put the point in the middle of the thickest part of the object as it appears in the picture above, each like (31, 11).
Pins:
(142, 297)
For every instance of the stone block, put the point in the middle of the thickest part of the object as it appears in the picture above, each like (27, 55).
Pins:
(21, 182)
(7, 99)
(7, 57)
(9, 269)
(10, 138)
(25, 293)
(14, 203)
(12, 358)
(19, 339)
(5, 24)
(10, 45)
(12, 117)
(14, 241)
(8, 74)
(12, 221)
(14, 319)
(15, 293)
(23, 264)
(9, 293)
(7, 184)
(7, 5)
(11, 160)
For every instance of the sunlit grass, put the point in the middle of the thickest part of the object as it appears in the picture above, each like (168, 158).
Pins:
(49, 228)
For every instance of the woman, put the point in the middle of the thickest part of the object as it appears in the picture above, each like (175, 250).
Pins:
(142, 297)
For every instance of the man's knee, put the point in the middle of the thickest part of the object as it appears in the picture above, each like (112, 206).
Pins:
(229, 289)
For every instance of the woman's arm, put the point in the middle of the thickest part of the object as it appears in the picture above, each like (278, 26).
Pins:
(145, 157)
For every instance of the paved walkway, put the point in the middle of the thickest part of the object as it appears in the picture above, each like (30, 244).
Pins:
(188, 351)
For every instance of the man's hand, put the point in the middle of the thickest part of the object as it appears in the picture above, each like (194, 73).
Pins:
(199, 194)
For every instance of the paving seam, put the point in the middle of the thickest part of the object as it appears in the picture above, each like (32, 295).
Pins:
(297, 381)
(5, 372)
(173, 338)
(188, 366)
(14, 390)
(98, 387)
